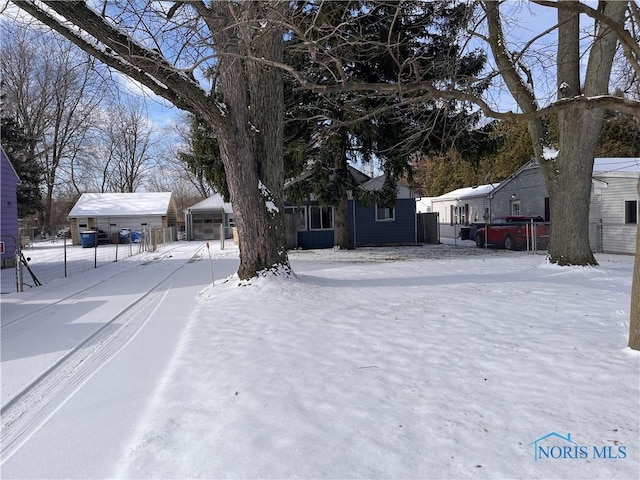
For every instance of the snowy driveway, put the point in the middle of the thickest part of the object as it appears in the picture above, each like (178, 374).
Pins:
(59, 337)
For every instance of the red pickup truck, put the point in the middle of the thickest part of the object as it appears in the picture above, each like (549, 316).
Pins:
(515, 231)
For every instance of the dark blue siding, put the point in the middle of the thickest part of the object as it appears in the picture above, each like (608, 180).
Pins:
(315, 239)
(9, 225)
(368, 231)
(402, 230)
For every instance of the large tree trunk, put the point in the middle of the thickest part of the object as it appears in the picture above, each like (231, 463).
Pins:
(250, 139)
(569, 185)
(342, 236)
(634, 315)
(568, 175)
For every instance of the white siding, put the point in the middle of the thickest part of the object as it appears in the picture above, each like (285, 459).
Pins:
(475, 206)
(608, 231)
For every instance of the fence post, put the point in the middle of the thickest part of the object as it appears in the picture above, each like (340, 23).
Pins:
(19, 285)
(600, 234)
(222, 236)
(95, 249)
(213, 283)
(65, 256)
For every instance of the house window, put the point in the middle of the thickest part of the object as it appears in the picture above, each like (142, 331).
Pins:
(298, 217)
(458, 215)
(631, 212)
(385, 214)
(321, 218)
(461, 214)
(515, 207)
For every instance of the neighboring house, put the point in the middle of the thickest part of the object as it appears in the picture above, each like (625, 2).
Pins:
(312, 226)
(614, 205)
(375, 225)
(204, 220)
(111, 212)
(614, 201)
(523, 193)
(464, 206)
(424, 205)
(9, 231)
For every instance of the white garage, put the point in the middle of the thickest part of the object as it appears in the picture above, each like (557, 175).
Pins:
(112, 212)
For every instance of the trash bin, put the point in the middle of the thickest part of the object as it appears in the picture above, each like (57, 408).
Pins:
(125, 235)
(473, 229)
(88, 238)
(464, 233)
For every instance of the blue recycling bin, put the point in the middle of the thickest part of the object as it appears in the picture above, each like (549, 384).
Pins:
(88, 238)
(137, 237)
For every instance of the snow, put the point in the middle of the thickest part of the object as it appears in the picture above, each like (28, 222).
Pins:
(549, 153)
(616, 165)
(468, 192)
(438, 361)
(272, 208)
(121, 204)
(214, 202)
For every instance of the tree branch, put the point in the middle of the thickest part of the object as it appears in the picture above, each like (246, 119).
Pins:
(119, 51)
(630, 45)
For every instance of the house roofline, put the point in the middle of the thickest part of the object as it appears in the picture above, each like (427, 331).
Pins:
(13, 169)
(533, 163)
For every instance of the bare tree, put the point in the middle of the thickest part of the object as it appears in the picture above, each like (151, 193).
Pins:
(129, 143)
(170, 174)
(53, 89)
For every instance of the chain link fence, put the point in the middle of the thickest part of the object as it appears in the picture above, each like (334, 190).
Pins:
(46, 258)
(609, 237)
(604, 237)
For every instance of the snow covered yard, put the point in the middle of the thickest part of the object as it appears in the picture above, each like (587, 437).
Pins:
(398, 363)
(429, 362)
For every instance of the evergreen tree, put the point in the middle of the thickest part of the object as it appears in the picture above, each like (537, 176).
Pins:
(328, 132)
(620, 136)
(17, 147)
(203, 157)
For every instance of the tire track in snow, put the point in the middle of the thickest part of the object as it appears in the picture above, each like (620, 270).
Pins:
(82, 293)
(29, 409)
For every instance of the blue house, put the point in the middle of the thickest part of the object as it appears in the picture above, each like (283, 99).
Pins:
(9, 214)
(312, 226)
